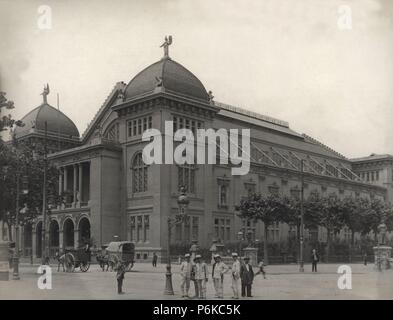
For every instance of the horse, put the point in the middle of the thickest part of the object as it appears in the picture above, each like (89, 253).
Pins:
(60, 261)
(105, 260)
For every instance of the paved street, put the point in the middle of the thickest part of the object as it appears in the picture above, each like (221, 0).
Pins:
(146, 282)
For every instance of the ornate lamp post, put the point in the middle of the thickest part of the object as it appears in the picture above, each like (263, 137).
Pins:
(240, 238)
(301, 260)
(183, 202)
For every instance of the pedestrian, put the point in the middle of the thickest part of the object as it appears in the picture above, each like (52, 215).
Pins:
(261, 269)
(120, 272)
(201, 276)
(235, 275)
(185, 273)
(154, 262)
(247, 277)
(219, 269)
(314, 260)
(365, 258)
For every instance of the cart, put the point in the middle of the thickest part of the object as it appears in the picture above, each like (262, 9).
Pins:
(77, 258)
(122, 251)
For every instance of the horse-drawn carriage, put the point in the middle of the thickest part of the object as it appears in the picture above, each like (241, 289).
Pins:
(77, 258)
(117, 251)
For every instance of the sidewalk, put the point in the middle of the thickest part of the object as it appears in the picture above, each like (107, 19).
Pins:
(146, 282)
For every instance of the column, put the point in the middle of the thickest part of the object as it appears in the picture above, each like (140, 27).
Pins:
(75, 185)
(61, 239)
(76, 238)
(34, 241)
(65, 186)
(60, 185)
(80, 188)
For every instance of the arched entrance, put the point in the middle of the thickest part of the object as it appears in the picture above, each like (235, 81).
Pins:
(68, 234)
(53, 238)
(38, 241)
(28, 239)
(84, 231)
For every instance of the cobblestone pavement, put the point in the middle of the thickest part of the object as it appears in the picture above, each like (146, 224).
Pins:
(146, 282)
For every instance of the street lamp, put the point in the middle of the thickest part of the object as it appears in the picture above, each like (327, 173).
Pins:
(301, 267)
(240, 238)
(183, 202)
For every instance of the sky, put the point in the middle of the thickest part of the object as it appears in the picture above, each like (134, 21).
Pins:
(325, 66)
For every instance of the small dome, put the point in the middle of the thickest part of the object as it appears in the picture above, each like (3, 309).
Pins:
(170, 75)
(57, 122)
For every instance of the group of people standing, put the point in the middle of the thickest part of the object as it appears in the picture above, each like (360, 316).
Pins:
(197, 271)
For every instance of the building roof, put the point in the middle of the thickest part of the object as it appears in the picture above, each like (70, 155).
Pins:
(169, 75)
(255, 118)
(57, 122)
(373, 157)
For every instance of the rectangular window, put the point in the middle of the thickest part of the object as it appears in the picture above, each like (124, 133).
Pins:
(178, 233)
(181, 124)
(129, 127)
(377, 175)
(139, 229)
(187, 230)
(146, 229)
(150, 122)
(134, 128)
(144, 124)
(195, 228)
(174, 124)
(139, 126)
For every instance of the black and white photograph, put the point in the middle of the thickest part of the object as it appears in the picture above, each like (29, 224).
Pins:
(193, 152)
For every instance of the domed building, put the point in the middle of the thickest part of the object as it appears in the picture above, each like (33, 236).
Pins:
(117, 195)
(61, 132)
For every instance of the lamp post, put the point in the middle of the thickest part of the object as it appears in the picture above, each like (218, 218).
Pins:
(45, 255)
(240, 238)
(183, 202)
(15, 258)
(301, 261)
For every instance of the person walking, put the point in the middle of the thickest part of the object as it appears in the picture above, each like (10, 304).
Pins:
(185, 273)
(219, 269)
(120, 272)
(235, 275)
(314, 260)
(261, 269)
(201, 276)
(247, 277)
(154, 261)
(365, 258)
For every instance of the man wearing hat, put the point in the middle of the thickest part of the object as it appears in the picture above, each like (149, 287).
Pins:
(247, 277)
(219, 269)
(185, 273)
(201, 276)
(235, 275)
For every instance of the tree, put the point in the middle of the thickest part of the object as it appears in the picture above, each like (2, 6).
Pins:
(25, 160)
(268, 209)
(353, 214)
(374, 213)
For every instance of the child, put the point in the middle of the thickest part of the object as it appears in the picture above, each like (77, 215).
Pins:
(121, 270)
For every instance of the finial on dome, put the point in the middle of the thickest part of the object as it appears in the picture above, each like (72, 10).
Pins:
(165, 45)
(45, 93)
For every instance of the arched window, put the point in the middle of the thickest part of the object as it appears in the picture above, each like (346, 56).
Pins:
(186, 177)
(139, 174)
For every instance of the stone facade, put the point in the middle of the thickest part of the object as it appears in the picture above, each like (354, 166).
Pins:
(116, 194)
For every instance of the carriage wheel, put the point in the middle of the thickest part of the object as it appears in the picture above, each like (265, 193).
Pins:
(69, 262)
(85, 266)
(129, 266)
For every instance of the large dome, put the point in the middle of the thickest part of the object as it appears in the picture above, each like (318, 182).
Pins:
(57, 122)
(171, 76)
